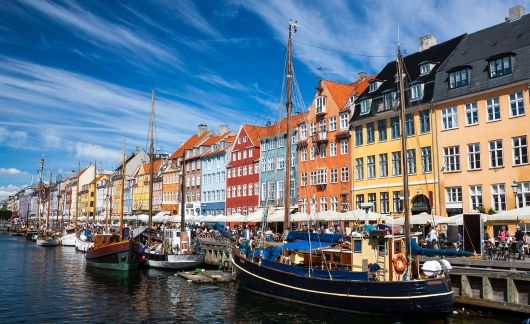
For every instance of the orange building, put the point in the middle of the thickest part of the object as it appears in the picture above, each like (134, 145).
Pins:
(324, 148)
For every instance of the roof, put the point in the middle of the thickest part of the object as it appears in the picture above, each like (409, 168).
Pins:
(228, 139)
(280, 127)
(340, 92)
(254, 133)
(435, 54)
(477, 48)
(147, 166)
(191, 142)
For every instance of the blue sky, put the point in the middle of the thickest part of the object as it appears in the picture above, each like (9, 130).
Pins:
(75, 77)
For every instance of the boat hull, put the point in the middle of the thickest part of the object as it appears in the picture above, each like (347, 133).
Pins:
(83, 246)
(68, 240)
(392, 298)
(47, 242)
(175, 261)
(122, 256)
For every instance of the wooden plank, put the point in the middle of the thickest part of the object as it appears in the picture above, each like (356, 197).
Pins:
(492, 304)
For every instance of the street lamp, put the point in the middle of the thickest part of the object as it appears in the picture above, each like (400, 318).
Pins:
(515, 187)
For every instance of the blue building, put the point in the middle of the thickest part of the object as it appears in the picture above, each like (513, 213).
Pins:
(272, 164)
(213, 167)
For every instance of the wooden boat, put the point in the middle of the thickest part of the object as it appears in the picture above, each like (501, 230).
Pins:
(370, 273)
(47, 238)
(84, 240)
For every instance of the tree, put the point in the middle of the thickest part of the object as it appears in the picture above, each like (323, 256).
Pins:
(5, 214)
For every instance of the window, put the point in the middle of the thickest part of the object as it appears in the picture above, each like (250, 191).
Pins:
(344, 121)
(270, 190)
(396, 163)
(498, 197)
(453, 194)
(500, 66)
(458, 78)
(303, 179)
(332, 123)
(334, 204)
(359, 173)
(522, 198)
(313, 153)
(303, 154)
(370, 166)
(322, 128)
(333, 176)
(383, 200)
(302, 128)
(471, 113)
(516, 104)
(451, 158)
(365, 106)
(397, 202)
(344, 174)
(321, 104)
(244, 190)
(280, 189)
(333, 149)
(322, 150)
(323, 204)
(520, 150)
(373, 85)
(303, 205)
(394, 124)
(280, 163)
(426, 159)
(492, 106)
(359, 200)
(496, 159)
(425, 121)
(344, 147)
(411, 161)
(370, 133)
(383, 165)
(425, 68)
(381, 129)
(358, 135)
(238, 191)
(321, 176)
(373, 200)
(389, 100)
(449, 118)
(473, 151)
(409, 124)
(263, 191)
(312, 129)
(475, 197)
(416, 91)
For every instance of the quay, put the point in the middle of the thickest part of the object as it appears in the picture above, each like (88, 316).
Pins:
(490, 283)
(217, 250)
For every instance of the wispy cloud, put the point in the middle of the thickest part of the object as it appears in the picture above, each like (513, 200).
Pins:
(10, 171)
(216, 79)
(12, 138)
(8, 190)
(189, 14)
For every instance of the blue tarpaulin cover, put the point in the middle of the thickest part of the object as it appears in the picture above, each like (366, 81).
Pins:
(418, 250)
(317, 273)
(305, 245)
(299, 235)
(271, 253)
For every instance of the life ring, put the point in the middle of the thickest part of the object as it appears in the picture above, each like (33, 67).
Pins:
(400, 263)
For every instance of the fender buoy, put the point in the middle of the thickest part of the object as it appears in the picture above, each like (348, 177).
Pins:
(400, 263)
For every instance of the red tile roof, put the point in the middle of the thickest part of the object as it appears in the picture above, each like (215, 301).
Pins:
(147, 166)
(342, 92)
(190, 143)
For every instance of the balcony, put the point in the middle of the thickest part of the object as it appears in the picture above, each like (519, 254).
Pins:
(320, 110)
(345, 133)
(320, 137)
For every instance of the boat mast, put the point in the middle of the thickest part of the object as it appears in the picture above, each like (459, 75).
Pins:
(151, 162)
(58, 184)
(406, 211)
(107, 205)
(77, 194)
(122, 191)
(289, 104)
(49, 202)
(41, 166)
(95, 194)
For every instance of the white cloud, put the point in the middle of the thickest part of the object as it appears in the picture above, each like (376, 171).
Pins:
(190, 15)
(6, 191)
(95, 152)
(10, 171)
(12, 138)
(215, 79)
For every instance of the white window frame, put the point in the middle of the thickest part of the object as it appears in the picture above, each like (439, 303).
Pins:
(473, 156)
(496, 154)
(519, 150)
(449, 118)
(471, 114)
(493, 109)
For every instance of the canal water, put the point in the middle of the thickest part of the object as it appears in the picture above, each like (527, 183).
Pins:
(53, 285)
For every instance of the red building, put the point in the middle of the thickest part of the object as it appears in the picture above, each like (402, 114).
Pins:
(242, 176)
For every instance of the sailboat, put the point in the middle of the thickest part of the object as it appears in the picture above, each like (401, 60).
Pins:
(331, 270)
(84, 238)
(113, 251)
(47, 238)
(174, 250)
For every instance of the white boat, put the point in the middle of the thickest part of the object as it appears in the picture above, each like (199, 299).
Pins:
(47, 241)
(68, 237)
(172, 254)
(84, 240)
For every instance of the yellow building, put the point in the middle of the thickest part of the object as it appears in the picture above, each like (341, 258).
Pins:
(140, 187)
(376, 130)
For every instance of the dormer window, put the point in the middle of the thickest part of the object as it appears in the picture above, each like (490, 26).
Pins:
(321, 104)
(374, 84)
(389, 100)
(459, 78)
(365, 106)
(426, 68)
(416, 91)
(500, 66)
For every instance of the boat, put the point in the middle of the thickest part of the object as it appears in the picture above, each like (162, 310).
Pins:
(115, 251)
(174, 250)
(367, 273)
(84, 240)
(48, 237)
(68, 237)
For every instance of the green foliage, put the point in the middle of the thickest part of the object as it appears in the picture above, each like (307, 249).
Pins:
(5, 214)
(491, 211)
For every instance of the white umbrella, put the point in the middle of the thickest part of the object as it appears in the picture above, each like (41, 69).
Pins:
(256, 216)
(360, 215)
(237, 218)
(420, 219)
(329, 215)
(300, 217)
(459, 219)
(517, 215)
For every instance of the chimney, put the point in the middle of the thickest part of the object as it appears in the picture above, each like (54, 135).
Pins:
(223, 129)
(361, 76)
(427, 41)
(514, 13)
(202, 128)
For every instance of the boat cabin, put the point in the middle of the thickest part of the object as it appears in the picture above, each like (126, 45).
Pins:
(102, 240)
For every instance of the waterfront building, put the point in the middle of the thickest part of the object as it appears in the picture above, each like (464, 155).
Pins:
(482, 103)
(273, 147)
(377, 155)
(140, 186)
(132, 162)
(213, 166)
(324, 148)
(242, 173)
(103, 195)
(157, 191)
(170, 187)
